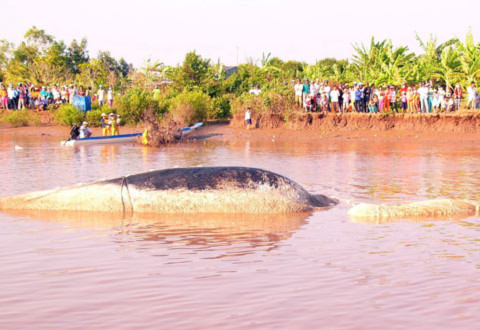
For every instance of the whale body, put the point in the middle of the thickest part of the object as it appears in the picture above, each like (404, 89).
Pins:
(178, 190)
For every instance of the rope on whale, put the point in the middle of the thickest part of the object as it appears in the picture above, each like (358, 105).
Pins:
(125, 183)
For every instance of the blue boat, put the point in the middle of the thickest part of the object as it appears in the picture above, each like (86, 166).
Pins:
(123, 138)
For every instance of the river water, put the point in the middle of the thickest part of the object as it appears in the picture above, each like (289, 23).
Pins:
(319, 270)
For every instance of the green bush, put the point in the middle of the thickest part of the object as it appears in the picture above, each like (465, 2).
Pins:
(22, 118)
(131, 106)
(93, 117)
(241, 103)
(220, 108)
(68, 115)
(190, 106)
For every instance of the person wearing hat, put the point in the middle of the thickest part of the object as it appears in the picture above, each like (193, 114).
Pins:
(85, 131)
(112, 123)
(104, 124)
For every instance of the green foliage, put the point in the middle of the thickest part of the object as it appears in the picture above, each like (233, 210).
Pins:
(68, 115)
(220, 108)
(132, 106)
(93, 116)
(190, 106)
(195, 72)
(22, 118)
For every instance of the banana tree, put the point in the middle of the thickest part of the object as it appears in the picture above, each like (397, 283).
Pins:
(470, 58)
(449, 70)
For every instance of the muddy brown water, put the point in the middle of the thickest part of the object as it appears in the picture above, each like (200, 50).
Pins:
(315, 270)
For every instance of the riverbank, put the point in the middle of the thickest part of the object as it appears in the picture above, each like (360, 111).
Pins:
(311, 127)
(465, 121)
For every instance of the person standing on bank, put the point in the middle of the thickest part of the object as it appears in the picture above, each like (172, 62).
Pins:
(367, 94)
(306, 90)
(248, 118)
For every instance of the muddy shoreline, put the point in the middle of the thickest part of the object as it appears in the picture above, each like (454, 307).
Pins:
(310, 127)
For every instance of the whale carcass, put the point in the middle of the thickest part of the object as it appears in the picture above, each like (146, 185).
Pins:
(178, 190)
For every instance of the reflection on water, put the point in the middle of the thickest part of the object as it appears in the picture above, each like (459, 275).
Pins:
(215, 271)
(201, 230)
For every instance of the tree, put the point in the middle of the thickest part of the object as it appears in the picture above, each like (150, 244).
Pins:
(449, 68)
(152, 71)
(194, 73)
(470, 58)
(77, 54)
(5, 54)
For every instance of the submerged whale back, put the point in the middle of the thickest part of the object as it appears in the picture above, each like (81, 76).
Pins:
(179, 190)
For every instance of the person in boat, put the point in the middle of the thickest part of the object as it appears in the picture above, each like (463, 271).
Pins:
(112, 123)
(117, 125)
(104, 123)
(85, 131)
(74, 132)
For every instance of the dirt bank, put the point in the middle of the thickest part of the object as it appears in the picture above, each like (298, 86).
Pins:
(312, 127)
(460, 122)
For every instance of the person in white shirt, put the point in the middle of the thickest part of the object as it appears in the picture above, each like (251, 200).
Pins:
(298, 92)
(346, 99)
(471, 96)
(258, 91)
(441, 96)
(101, 95)
(248, 118)
(85, 131)
(326, 87)
(11, 97)
(110, 97)
(252, 90)
(327, 90)
(423, 97)
(334, 95)
(56, 93)
(72, 92)
(313, 90)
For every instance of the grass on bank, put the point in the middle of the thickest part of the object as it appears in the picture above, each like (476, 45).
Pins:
(20, 118)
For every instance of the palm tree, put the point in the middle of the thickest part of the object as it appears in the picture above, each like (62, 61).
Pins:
(152, 71)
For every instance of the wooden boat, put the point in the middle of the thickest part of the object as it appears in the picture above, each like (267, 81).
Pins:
(123, 138)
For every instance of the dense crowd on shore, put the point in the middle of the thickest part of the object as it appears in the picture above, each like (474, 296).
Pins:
(365, 98)
(29, 96)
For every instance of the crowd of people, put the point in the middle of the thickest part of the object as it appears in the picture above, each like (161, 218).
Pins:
(366, 98)
(29, 96)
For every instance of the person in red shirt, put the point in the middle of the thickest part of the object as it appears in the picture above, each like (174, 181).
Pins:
(458, 93)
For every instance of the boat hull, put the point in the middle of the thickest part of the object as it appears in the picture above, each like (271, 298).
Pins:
(124, 138)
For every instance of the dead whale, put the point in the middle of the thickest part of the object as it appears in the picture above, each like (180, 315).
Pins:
(178, 190)
(436, 208)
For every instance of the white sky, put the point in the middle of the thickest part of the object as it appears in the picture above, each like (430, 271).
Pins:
(301, 30)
